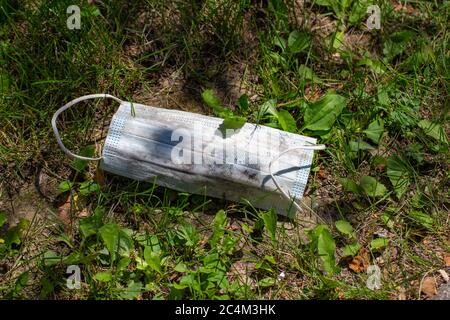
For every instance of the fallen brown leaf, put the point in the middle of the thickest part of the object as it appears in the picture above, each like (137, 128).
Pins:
(360, 263)
(447, 259)
(429, 286)
(64, 212)
(321, 174)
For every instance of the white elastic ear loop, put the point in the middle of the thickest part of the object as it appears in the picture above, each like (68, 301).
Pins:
(67, 106)
(283, 192)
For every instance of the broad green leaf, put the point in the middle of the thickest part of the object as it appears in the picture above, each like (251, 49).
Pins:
(326, 248)
(123, 263)
(349, 185)
(219, 223)
(90, 11)
(181, 267)
(298, 41)
(344, 227)
(323, 242)
(351, 250)
(279, 42)
(65, 186)
(375, 130)
(277, 59)
(270, 223)
(153, 259)
(189, 233)
(212, 100)
(132, 291)
(103, 276)
(375, 65)
(378, 243)
(434, 130)
(286, 121)
(322, 114)
(387, 220)
(14, 234)
(422, 218)
(308, 74)
(126, 243)
(88, 187)
(372, 187)
(337, 39)
(51, 258)
(266, 282)
(355, 146)
(234, 122)
(80, 165)
(399, 174)
(110, 236)
(243, 103)
(268, 107)
(358, 12)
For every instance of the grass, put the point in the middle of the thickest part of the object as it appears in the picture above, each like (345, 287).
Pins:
(385, 171)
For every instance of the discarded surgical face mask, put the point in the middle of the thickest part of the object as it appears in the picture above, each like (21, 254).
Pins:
(188, 152)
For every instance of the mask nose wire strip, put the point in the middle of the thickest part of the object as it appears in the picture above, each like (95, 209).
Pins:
(67, 106)
(283, 192)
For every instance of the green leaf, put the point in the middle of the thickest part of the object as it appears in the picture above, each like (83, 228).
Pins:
(351, 250)
(326, 248)
(322, 114)
(123, 263)
(219, 223)
(189, 233)
(110, 236)
(399, 174)
(80, 165)
(153, 259)
(266, 282)
(349, 185)
(358, 12)
(270, 223)
(234, 122)
(286, 121)
(298, 41)
(355, 146)
(65, 186)
(88, 187)
(337, 39)
(434, 130)
(375, 65)
(372, 187)
(268, 107)
(308, 74)
(103, 276)
(14, 234)
(375, 130)
(344, 227)
(243, 103)
(378, 243)
(181, 267)
(387, 220)
(212, 100)
(132, 291)
(51, 258)
(422, 218)
(323, 242)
